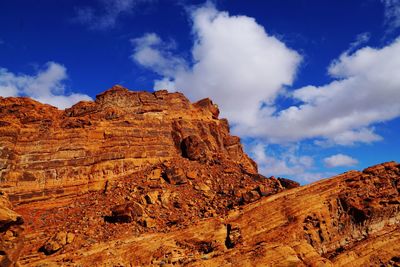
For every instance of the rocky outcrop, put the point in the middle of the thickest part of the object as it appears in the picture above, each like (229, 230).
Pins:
(349, 220)
(11, 233)
(46, 152)
(57, 242)
(129, 161)
(161, 198)
(139, 179)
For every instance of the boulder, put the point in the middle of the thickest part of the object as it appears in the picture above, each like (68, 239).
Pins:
(155, 174)
(194, 148)
(57, 242)
(250, 196)
(207, 105)
(287, 183)
(175, 176)
(151, 197)
(126, 213)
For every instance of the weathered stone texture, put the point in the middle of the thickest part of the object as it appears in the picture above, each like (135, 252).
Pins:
(142, 179)
(349, 220)
(46, 152)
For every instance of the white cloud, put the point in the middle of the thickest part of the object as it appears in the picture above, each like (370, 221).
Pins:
(236, 63)
(365, 91)
(46, 86)
(340, 160)
(243, 69)
(153, 53)
(285, 163)
(346, 138)
(107, 14)
(392, 14)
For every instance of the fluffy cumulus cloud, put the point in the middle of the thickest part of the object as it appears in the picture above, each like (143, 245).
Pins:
(340, 160)
(46, 86)
(365, 91)
(244, 69)
(235, 62)
(106, 15)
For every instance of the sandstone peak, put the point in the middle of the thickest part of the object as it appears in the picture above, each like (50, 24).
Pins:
(133, 130)
(116, 90)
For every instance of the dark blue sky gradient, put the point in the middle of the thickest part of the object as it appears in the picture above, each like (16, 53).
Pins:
(33, 32)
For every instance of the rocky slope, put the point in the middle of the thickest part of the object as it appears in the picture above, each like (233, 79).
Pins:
(349, 220)
(137, 179)
(11, 232)
(47, 152)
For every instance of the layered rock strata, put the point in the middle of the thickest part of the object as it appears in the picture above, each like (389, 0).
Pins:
(139, 179)
(46, 152)
(349, 220)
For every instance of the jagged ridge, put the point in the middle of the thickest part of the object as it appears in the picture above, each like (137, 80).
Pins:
(47, 152)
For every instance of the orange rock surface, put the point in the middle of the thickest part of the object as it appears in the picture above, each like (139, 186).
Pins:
(47, 152)
(139, 179)
(11, 232)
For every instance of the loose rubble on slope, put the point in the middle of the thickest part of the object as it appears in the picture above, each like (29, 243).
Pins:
(11, 232)
(135, 179)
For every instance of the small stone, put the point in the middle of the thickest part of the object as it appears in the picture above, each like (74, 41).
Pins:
(149, 222)
(70, 238)
(229, 170)
(192, 174)
(155, 174)
(151, 197)
(265, 190)
(203, 187)
(9, 235)
(165, 199)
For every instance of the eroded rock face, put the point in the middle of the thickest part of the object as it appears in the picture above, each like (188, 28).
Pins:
(349, 220)
(128, 163)
(46, 152)
(11, 233)
(141, 179)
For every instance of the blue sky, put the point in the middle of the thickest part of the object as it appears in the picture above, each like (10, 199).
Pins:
(312, 87)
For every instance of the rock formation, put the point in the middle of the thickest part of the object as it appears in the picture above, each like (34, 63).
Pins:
(11, 232)
(138, 179)
(48, 152)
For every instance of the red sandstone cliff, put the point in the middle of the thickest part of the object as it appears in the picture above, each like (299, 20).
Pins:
(136, 179)
(48, 152)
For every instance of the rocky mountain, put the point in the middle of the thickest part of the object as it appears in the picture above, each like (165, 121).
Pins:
(47, 152)
(138, 179)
